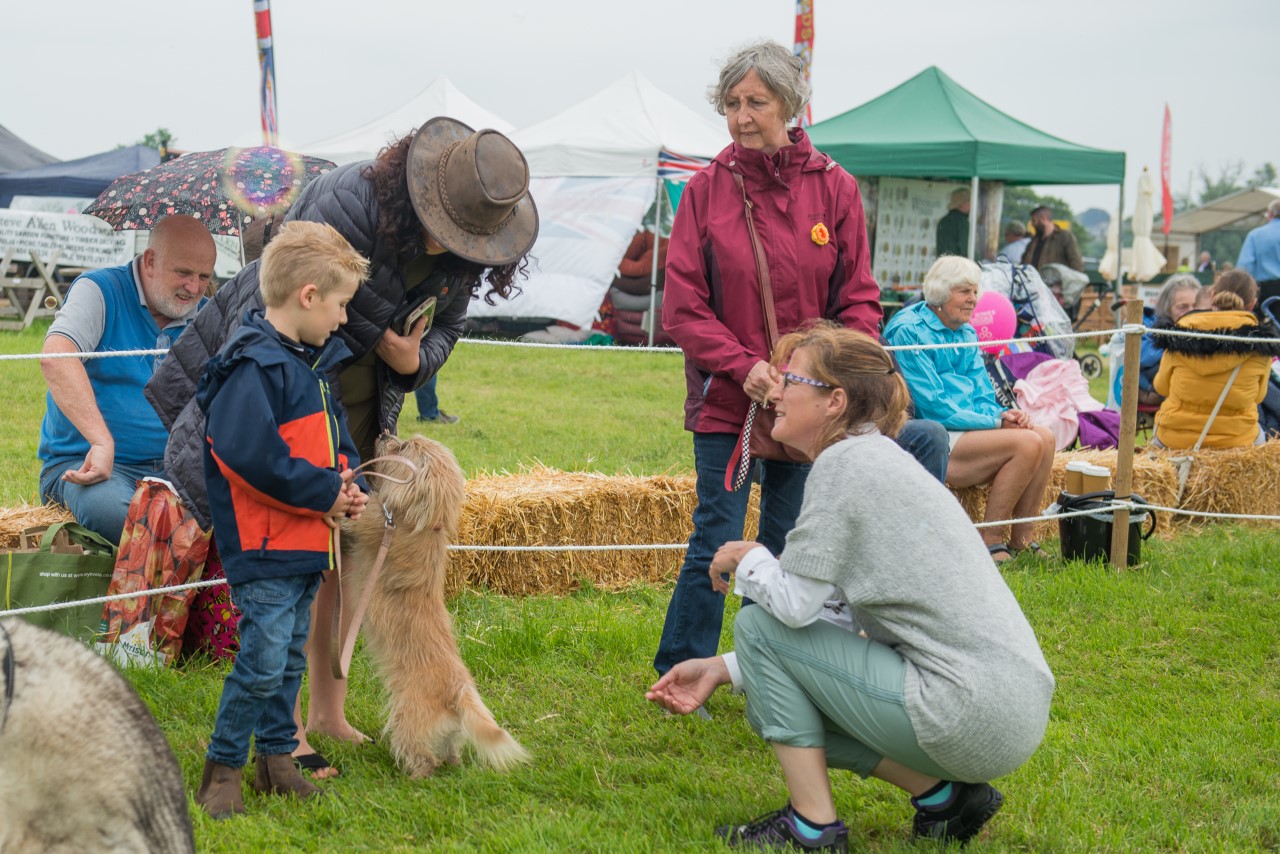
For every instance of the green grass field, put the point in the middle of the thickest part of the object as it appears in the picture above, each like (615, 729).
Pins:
(1162, 736)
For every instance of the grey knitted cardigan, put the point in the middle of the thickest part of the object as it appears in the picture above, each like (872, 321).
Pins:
(919, 579)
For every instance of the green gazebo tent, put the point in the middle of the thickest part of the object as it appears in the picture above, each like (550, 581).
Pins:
(932, 127)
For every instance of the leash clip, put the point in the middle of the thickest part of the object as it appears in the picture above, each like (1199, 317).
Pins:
(390, 520)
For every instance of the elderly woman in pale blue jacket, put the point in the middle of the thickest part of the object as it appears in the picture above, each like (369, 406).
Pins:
(989, 444)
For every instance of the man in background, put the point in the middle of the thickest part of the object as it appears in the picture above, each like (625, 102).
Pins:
(100, 436)
(1015, 242)
(952, 236)
(1260, 255)
(1051, 245)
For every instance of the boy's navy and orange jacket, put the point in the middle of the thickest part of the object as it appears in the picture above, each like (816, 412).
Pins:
(274, 446)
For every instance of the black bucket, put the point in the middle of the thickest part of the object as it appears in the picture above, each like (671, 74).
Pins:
(1089, 537)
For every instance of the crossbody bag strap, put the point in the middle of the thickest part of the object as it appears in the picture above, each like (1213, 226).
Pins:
(740, 464)
(762, 271)
(1214, 414)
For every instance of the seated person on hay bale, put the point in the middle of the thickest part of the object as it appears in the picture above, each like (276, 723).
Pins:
(1196, 373)
(1177, 297)
(989, 444)
(100, 436)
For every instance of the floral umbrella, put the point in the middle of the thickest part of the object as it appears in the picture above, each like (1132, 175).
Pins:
(225, 189)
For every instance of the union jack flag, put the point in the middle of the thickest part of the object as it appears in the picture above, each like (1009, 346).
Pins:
(679, 167)
(266, 61)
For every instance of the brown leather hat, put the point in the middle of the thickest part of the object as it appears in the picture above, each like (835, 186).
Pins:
(470, 189)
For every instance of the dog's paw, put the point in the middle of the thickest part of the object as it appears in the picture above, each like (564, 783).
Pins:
(420, 768)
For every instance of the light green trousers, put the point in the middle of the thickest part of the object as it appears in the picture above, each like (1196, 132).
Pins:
(823, 686)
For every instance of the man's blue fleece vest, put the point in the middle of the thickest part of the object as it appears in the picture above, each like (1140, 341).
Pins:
(117, 381)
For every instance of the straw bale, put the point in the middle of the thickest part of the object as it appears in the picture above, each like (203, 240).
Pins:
(1228, 480)
(543, 506)
(14, 520)
(1153, 479)
(548, 507)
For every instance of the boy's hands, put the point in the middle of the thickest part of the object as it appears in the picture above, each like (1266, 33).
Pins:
(349, 504)
(359, 500)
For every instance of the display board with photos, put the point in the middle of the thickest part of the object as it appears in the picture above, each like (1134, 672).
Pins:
(906, 223)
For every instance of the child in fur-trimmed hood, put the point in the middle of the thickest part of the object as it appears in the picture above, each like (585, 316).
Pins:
(1194, 371)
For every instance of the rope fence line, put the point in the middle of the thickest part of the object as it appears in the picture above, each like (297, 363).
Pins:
(1130, 330)
(1106, 507)
(1126, 329)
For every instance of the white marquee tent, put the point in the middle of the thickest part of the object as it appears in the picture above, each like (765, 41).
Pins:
(594, 169)
(440, 98)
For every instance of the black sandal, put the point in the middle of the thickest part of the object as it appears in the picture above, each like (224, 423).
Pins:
(997, 548)
(309, 763)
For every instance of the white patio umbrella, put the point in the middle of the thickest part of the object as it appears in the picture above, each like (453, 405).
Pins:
(1109, 266)
(1146, 260)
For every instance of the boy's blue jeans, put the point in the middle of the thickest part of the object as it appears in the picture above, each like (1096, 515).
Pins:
(262, 687)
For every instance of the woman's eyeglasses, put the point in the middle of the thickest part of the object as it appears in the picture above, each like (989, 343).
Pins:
(789, 379)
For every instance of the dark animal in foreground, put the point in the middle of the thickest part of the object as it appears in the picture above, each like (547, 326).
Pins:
(83, 765)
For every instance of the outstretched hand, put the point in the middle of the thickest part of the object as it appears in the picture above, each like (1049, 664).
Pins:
(685, 687)
(96, 467)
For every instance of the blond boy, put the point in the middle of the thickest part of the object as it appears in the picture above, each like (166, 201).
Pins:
(278, 464)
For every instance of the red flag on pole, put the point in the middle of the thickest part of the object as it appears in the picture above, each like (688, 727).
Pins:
(1166, 154)
(266, 61)
(804, 49)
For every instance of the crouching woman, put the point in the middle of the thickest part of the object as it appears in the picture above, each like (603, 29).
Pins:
(884, 639)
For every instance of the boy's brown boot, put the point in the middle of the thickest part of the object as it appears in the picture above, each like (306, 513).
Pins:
(219, 793)
(279, 775)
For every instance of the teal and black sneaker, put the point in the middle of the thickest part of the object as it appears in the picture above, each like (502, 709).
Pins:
(959, 821)
(778, 830)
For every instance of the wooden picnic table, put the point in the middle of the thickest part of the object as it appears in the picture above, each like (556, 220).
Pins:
(31, 288)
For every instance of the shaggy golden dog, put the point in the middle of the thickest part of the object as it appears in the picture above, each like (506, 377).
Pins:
(434, 705)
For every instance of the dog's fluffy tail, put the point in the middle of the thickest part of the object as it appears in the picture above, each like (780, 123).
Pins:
(493, 744)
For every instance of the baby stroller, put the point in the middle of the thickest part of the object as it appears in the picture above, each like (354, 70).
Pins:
(1069, 286)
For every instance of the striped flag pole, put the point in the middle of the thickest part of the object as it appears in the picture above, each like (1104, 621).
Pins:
(804, 50)
(266, 61)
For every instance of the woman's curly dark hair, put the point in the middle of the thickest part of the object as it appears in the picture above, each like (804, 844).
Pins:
(400, 229)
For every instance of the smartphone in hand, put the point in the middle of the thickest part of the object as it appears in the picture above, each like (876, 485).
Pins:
(426, 309)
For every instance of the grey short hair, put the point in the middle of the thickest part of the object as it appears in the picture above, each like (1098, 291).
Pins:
(1172, 287)
(776, 66)
(1274, 208)
(1015, 228)
(948, 273)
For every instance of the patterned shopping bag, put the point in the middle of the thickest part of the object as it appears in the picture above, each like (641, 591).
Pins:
(214, 618)
(162, 546)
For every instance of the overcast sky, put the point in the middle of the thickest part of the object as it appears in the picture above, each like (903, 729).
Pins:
(81, 76)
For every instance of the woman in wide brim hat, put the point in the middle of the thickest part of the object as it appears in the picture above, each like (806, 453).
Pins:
(439, 213)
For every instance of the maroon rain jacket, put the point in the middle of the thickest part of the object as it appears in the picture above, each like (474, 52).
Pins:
(711, 307)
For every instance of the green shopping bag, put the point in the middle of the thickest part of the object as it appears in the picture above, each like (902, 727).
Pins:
(66, 563)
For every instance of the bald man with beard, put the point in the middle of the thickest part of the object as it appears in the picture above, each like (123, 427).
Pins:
(100, 436)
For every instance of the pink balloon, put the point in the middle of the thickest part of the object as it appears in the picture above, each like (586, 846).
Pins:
(995, 319)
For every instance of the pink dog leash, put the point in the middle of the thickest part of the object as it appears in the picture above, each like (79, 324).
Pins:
(341, 649)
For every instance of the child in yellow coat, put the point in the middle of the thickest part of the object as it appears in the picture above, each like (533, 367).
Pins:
(1194, 371)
